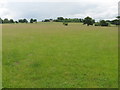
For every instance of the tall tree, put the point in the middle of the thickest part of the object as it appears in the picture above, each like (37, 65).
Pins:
(20, 21)
(11, 21)
(25, 21)
(31, 20)
(1, 21)
(5, 20)
(88, 21)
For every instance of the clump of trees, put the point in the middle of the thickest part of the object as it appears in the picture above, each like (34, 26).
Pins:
(61, 19)
(47, 20)
(88, 21)
(22, 21)
(104, 23)
(33, 20)
(115, 22)
(3, 21)
(97, 24)
(73, 20)
(108, 22)
(6, 21)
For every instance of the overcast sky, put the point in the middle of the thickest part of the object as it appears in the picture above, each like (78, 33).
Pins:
(43, 9)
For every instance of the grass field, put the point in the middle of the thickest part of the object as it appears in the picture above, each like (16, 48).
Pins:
(48, 55)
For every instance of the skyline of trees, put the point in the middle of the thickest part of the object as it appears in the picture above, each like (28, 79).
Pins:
(6, 20)
(86, 21)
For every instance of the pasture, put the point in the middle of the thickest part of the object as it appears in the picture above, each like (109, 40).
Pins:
(51, 55)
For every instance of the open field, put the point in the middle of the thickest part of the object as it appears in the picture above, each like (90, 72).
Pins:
(52, 55)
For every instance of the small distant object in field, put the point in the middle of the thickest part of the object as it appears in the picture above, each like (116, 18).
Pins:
(66, 24)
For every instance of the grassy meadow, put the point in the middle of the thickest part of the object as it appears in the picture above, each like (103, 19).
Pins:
(51, 55)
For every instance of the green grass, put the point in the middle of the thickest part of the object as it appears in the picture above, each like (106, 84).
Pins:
(51, 55)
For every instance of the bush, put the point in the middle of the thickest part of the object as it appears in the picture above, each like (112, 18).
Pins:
(104, 23)
(97, 24)
(66, 24)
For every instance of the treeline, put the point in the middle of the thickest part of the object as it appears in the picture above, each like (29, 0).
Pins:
(87, 20)
(61, 19)
(3, 21)
(108, 22)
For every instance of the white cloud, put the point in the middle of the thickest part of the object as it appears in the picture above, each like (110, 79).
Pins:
(41, 9)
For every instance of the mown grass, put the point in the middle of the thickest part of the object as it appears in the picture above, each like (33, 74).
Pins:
(51, 55)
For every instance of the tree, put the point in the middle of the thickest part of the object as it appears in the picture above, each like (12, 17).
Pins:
(16, 21)
(103, 23)
(1, 21)
(31, 20)
(118, 17)
(60, 18)
(25, 21)
(35, 20)
(97, 24)
(5, 20)
(46, 20)
(20, 21)
(11, 21)
(88, 21)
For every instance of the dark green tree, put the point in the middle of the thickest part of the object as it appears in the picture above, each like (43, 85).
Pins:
(60, 18)
(1, 21)
(25, 21)
(11, 21)
(88, 21)
(35, 20)
(97, 24)
(31, 20)
(6, 20)
(20, 21)
(118, 17)
(46, 20)
(103, 23)
(16, 21)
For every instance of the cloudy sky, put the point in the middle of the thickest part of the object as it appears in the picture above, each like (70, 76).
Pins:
(43, 9)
